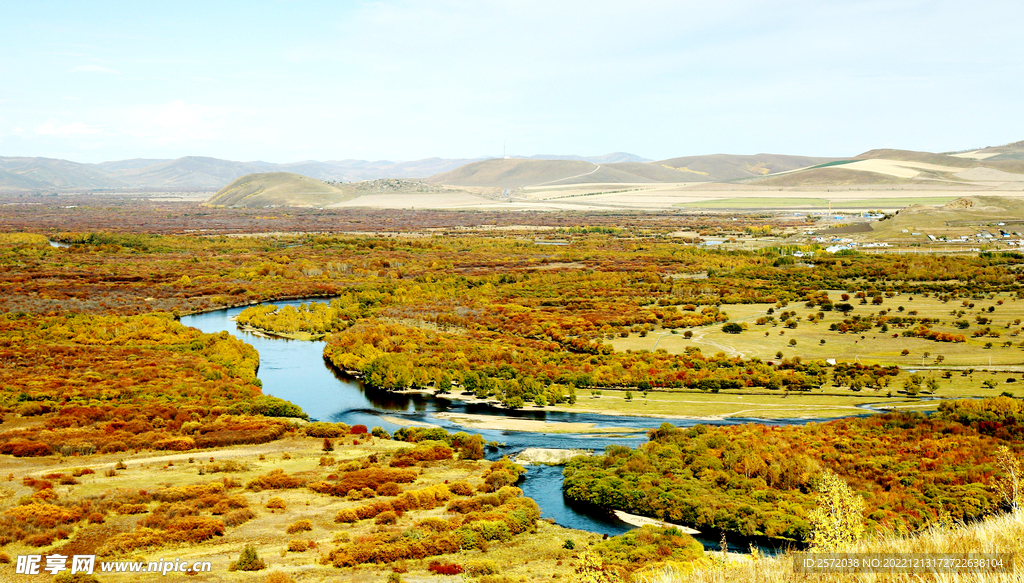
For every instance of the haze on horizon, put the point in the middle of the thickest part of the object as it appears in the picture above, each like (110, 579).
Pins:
(404, 80)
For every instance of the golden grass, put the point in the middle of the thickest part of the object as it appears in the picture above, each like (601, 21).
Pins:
(764, 341)
(1001, 534)
(525, 558)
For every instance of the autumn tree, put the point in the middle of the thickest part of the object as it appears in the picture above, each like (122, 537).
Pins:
(1009, 484)
(590, 569)
(837, 521)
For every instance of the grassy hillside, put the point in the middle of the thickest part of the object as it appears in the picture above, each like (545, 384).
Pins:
(830, 176)
(1014, 151)
(730, 167)
(1002, 534)
(888, 167)
(1006, 165)
(50, 173)
(962, 216)
(130, 164)
(517, 172)
(513, 173)
(655, 172)
(189, 172)
(278, 188)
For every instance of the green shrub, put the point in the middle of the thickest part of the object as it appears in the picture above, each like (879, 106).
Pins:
(248, 561)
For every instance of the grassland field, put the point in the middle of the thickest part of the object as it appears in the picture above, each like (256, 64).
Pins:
(998, 363)
(524, 558)
(757, 202)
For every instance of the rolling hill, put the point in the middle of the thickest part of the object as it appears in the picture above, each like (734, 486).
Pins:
(963, 216)
(131, 164)
(718, 167)
(278, 189)
(195, 172)
(512, 173)
(613, 158)
(188, 172)
(1014, 151)
(520, 172)
(50, 173)
(908, 167)
(992, 167)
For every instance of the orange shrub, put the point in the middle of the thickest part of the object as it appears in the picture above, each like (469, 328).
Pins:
(193, 491)
(36, 484)
(299, 526)
(346, 515)
(461, 488)
(129, 541)
(42, 514)
(423, 451)
(42, 539)
(328, 430)
(237, 517)
(278, 577)
(132, 509)
(195, 529)
(25, 448)
(373, 509)
(175, 444)
(226, 504)
(389, 489)
(276, 480)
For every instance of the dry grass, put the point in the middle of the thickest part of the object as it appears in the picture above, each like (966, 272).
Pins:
(1003, 534)
(529, 557)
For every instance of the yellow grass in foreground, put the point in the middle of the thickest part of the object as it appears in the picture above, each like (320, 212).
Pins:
(1003, 534)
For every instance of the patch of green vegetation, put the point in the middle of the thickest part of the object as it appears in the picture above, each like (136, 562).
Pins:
(832, 163)
(816, 202)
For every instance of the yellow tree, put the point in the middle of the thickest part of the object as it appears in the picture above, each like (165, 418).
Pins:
(837, 521)
(1009, 484)
(590, 569)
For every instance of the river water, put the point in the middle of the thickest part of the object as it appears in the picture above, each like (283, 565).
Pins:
(295, 370)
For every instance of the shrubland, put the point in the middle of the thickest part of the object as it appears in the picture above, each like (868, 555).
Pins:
(758, 480)
(95, 370)
(91, 383)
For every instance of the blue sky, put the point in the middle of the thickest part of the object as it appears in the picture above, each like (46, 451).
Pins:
(291, 80)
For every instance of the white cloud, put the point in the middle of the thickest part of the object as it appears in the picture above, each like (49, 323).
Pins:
(55, 128)
(94, 69)
(177, 121)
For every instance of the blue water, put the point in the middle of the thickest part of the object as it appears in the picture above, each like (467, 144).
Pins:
(295, 370)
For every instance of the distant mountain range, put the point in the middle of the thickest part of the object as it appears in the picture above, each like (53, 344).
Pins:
(202, 173)
(612, 158)
(524, 172)
(999, 164)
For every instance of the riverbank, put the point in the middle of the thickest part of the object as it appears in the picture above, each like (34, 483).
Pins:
(758, 405)
(304, 336)
(473, 421)
(747, 406)
(548, 456)
(638, 521)
(296, 371)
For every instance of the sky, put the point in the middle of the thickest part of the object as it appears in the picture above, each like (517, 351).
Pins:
(283, 81)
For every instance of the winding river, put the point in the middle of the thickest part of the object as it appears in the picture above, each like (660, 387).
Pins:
(295, 370)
